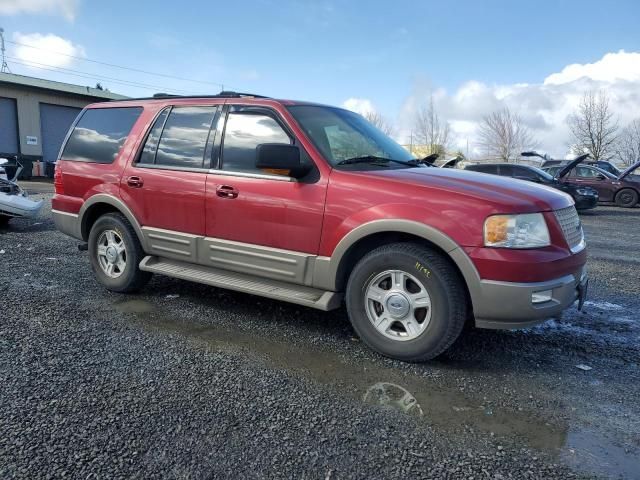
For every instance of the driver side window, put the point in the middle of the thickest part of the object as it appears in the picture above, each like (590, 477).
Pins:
(246, 129)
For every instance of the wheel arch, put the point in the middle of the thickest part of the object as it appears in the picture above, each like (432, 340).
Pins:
(332, 272)
(100, 204)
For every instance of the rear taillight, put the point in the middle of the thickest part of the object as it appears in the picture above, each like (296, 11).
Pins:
(57, 180)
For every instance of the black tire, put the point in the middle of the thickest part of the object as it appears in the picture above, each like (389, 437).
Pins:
(132, 278)
(439, 277)
(626, 198)
(4, 220)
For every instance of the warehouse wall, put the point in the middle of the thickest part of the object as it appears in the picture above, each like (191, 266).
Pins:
(28, 104)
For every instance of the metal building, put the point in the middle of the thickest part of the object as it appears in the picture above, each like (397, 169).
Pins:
(35, 114)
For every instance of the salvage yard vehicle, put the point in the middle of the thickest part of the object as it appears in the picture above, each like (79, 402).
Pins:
(311, 204)
(623, 189)
(584, 197)
(14, 201)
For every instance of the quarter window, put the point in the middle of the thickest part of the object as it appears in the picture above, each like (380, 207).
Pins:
(99, 134)
(148, 154)
(184, 137)
(245, 130)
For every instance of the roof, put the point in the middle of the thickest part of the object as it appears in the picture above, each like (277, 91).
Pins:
(23, 80)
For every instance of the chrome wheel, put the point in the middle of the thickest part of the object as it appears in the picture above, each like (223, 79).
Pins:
(112, 253)
(398, 305)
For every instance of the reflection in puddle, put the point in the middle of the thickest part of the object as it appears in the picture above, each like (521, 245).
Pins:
(414, 395)
(393, 396)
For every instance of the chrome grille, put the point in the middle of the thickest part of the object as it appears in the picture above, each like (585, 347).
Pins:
(571, 226)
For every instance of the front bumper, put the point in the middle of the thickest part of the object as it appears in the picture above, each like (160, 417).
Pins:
(508, 305)
(585, 202)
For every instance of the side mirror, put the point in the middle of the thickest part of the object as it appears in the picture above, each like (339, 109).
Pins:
(600, 177)
(281, 158)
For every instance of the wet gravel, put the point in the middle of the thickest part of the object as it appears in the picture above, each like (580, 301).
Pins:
(188, 381)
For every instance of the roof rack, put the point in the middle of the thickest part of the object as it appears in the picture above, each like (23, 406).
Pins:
(223, 94)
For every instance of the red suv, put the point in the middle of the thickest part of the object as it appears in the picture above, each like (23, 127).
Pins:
(311, 204)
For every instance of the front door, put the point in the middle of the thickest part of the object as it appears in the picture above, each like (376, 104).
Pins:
(261, 222)
(591, 177)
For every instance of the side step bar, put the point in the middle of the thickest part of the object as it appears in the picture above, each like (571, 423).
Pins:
(287, 292)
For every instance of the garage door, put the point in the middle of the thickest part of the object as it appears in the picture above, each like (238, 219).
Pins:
(55, 121)
(8, 127)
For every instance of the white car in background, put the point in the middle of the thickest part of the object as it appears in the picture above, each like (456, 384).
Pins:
(14, 201)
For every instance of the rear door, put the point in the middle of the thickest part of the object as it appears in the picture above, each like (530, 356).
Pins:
(165, 184)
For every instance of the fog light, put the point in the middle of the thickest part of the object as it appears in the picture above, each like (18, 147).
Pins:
(542, 296)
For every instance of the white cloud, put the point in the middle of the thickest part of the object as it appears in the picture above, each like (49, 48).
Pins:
(65, 8)
(544, 107)
(46, 49)
(610, 68)
(362, 106)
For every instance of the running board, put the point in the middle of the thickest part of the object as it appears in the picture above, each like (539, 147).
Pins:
(241, 282)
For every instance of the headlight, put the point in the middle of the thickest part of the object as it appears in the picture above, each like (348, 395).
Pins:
(527, 230)
(584, 191)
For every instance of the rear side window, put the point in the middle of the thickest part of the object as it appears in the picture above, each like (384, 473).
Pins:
(184, 137)
(99, 134)
(483, 168)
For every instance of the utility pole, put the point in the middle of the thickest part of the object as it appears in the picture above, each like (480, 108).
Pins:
(5, 67)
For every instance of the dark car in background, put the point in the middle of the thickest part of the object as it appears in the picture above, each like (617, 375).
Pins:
(584, 197)
(623, 189)
(601, 164)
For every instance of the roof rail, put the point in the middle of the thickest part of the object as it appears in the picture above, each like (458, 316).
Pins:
(223, 94)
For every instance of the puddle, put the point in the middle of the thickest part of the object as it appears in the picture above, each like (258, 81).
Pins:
(416, 396)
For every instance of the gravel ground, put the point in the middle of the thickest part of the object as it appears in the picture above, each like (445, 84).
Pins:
(189, 381)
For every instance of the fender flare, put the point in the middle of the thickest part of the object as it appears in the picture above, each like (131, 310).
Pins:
(326, 268)
(103, 198)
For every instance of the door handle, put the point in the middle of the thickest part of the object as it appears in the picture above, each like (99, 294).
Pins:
(135, 182)
(226, 191)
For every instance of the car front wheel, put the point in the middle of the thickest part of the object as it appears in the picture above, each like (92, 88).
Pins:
(406, 301)
(626, 198)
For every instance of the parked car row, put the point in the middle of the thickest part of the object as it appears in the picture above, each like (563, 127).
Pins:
(586, 181)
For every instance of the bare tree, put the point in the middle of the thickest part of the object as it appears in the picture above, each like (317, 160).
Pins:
(378, 121)
(503, 135)
(628, 144)
(593, 127)
(430, 130)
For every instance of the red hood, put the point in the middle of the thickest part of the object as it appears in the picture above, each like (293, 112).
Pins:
(507, 195)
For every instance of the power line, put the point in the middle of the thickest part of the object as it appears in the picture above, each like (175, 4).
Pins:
(119, 66)
(77, 73)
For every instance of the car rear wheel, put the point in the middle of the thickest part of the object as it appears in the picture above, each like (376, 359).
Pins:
(627, 198)
(406, 301)
(116, 253)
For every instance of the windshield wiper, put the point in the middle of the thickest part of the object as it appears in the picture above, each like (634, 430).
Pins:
(370, 159)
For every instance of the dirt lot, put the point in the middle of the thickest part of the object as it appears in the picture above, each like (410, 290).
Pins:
(189, 381)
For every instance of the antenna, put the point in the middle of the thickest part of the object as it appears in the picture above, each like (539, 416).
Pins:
(5, 67)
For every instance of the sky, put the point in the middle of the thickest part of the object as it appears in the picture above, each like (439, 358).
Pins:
(473, 57)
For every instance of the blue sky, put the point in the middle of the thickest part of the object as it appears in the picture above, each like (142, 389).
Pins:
(386, 53)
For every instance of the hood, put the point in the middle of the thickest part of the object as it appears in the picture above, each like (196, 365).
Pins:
(571, 165)
(430, 159)
(629, 170)
(501, 194)
(451, 163)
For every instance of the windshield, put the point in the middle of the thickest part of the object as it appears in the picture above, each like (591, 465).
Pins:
(542, 173)
(342, 135)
